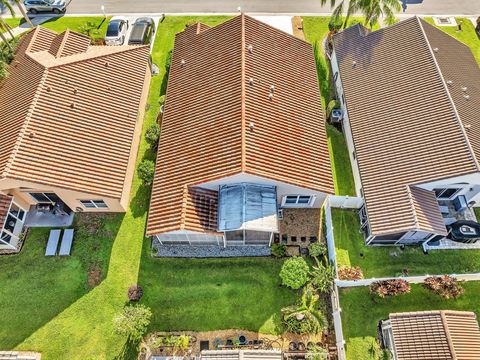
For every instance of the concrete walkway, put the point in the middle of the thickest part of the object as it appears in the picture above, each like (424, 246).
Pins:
(24, 27)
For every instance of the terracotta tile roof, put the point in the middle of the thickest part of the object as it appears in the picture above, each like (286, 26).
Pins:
(405, 126)
(219, 85)
(5, 201)
(61, 123)
(427, 335)
(425, 210)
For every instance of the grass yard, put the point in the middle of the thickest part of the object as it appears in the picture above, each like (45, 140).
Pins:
(391, 261)
(316, 29)
(14, 22)
(468, 35)
(361, 312)
(52, 309)
(211, 294)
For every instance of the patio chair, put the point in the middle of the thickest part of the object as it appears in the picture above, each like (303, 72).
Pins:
(66, 245)
(52, 242)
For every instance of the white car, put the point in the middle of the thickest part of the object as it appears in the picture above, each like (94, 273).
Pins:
(116, 31)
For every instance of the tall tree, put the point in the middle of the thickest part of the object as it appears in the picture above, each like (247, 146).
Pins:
(4, 27)
(374, 9)
(22, 9)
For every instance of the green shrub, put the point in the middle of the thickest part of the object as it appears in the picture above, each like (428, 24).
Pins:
(153, 134)
(333, 104)
(279, 250)
(146, 171)
(323, 277)
(182, 342)
(161, 100)
(305, 318)
(335, 24)
(317, 249)
(133, 321)
(294, 272)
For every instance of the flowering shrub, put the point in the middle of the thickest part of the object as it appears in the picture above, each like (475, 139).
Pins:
(350, 273)
(135, 293)
(445, 286)
(391, 287)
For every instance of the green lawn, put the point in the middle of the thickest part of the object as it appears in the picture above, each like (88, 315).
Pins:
(468, 35)
(52, 309)
(390, 261)
(14, 22)
(361, 312)
(316, 29)
(189, 294)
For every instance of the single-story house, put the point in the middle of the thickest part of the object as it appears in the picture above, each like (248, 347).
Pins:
(427, 335)
(70, 123)
(410, 95)
(242, 135)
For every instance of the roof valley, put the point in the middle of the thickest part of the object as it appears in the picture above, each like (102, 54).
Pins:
(452, 103)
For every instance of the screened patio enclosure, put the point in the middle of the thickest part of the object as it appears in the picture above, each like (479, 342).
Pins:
(247, 213)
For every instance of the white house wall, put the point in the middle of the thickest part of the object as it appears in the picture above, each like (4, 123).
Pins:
(347, 131)
(470, 185)
(282, 188)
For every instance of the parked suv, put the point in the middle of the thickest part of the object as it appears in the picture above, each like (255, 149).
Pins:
(36, 6)
(142, 31)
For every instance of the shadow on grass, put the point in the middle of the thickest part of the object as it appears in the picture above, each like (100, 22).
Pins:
(129, 350)
(37, 288)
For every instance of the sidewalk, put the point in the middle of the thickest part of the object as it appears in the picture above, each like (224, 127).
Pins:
(24, 27)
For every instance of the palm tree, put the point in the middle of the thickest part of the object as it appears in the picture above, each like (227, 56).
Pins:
(371, 9)
(4, 27)
(374, 9)
(23, 11)
(305, 318)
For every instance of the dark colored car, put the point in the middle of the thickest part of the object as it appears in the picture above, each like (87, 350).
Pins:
(142, 31)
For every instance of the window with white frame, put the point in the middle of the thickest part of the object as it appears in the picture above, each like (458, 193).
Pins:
(298, 200)
(94, 204)
(13, 225)
(446, 193)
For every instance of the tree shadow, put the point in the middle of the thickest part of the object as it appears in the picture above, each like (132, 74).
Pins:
(38, 288)
(129, 350)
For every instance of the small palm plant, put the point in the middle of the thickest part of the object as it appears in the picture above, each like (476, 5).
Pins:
(305, 318)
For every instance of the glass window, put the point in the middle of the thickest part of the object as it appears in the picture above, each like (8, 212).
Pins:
(6, 238)
(100, 204)
(298, 200)
(446, 193)
(94, 204)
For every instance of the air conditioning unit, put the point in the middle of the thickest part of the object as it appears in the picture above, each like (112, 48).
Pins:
(336, 116)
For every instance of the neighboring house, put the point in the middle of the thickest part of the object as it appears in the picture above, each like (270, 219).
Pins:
(411, 99)
(235, 354)
(242, 135)
(70, 123)
(427, 335)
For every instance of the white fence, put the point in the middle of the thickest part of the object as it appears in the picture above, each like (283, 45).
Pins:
(344, 202)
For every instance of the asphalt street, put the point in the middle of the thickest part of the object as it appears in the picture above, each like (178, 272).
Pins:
(419, 7)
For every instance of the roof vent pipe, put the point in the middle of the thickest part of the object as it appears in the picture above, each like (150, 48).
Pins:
(270, 96)
(466, 96)
(252, 125)
(250, 49)
(464, 88)
(250, 81)
(354, 63)
(449, 82)
(435, 49)
(272, 89)
(182, 63)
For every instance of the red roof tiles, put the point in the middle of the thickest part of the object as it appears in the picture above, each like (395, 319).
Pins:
(61, 123)
(220, 118)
